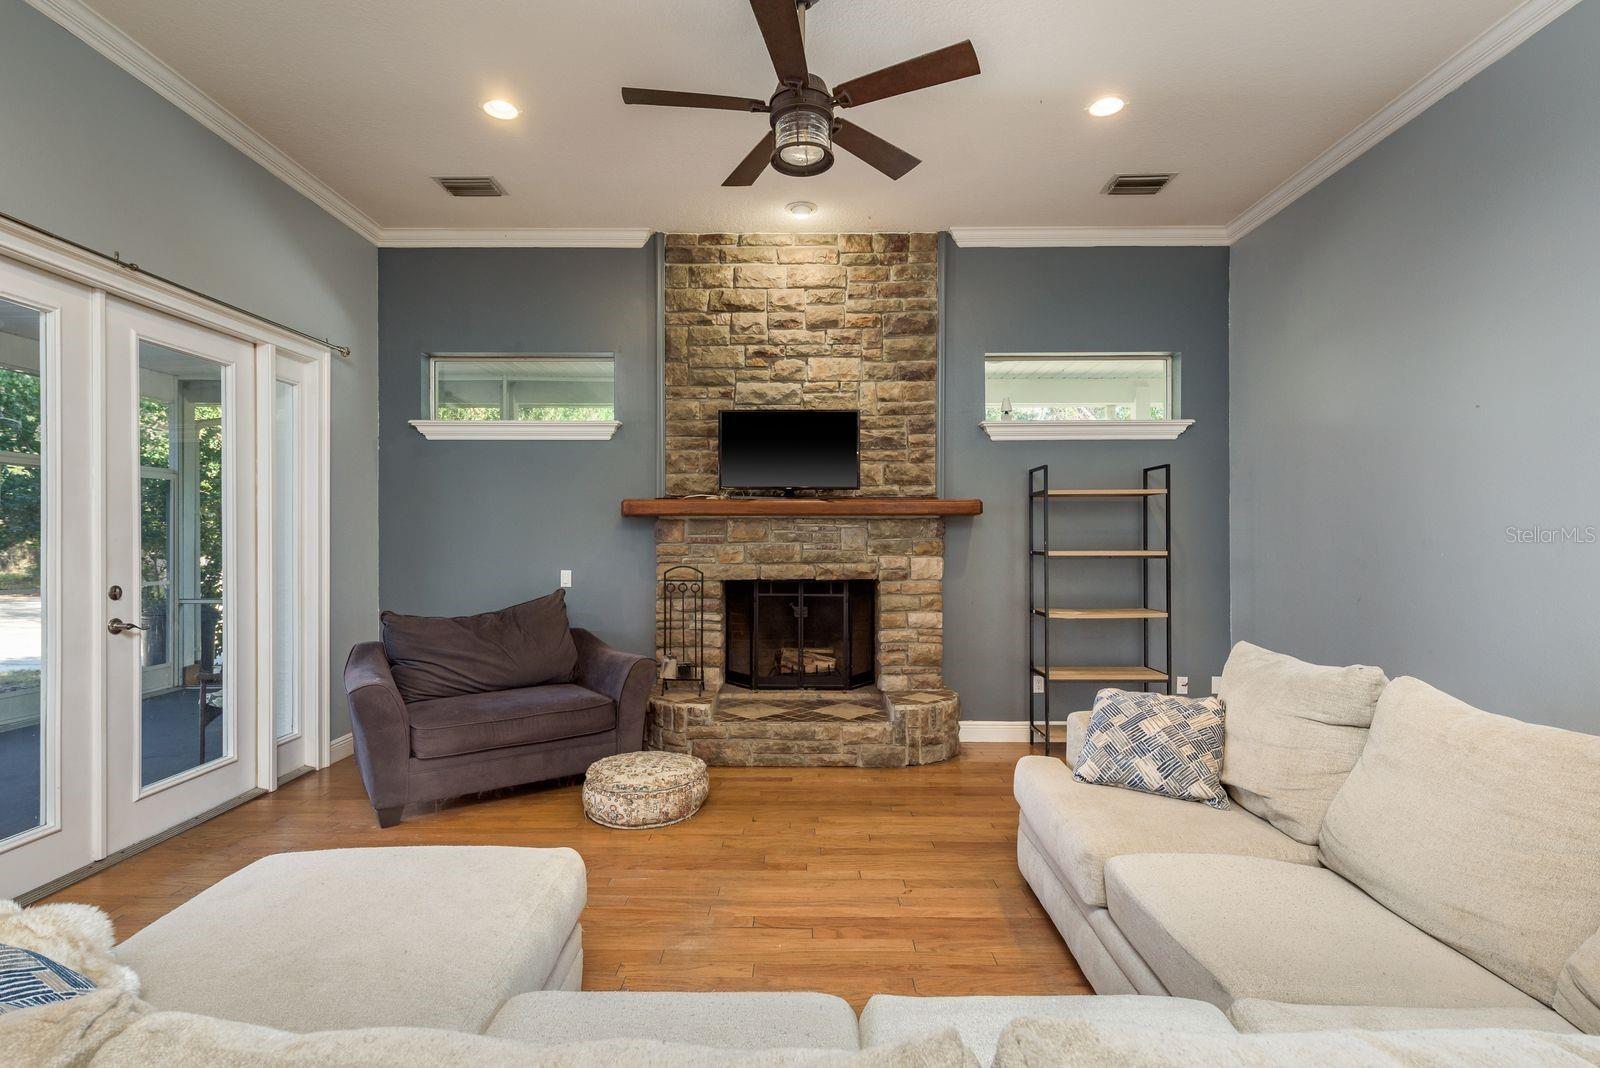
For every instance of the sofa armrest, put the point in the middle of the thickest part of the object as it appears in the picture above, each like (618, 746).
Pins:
(1077, 733)
(380, 725)
(626, 678)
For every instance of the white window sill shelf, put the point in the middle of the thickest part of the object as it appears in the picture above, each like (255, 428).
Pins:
(1085, 430)
(462, 430)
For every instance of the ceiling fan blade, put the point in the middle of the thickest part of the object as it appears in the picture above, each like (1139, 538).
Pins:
(934, 68)
(751, 166)
(780, 28)
(873, 149)
(668, 99)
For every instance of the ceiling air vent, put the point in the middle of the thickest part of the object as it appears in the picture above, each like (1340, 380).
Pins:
(1137, 185)
(471, 187)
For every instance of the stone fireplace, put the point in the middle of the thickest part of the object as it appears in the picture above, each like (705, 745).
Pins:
(842, 321)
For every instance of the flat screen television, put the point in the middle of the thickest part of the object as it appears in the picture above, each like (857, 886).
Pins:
(789, 449)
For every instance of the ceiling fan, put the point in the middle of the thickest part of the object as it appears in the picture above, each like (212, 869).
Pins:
(804, 127)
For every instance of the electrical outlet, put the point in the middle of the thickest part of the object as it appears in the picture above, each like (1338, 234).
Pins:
(1183, 684)
(566, 579)
(1038, 684)
(1216, 684)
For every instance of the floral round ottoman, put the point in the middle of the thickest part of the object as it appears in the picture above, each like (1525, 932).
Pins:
(638, 790)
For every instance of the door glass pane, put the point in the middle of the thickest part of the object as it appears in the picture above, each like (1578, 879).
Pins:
(182, 440)
(22, 705)
(285, 560)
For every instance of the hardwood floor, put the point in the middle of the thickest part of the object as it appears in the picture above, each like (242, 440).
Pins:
(844, 880)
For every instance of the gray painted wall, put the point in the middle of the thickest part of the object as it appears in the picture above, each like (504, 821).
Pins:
(1081, 300)
(89, 153)
(1414, 371)
(472, 526)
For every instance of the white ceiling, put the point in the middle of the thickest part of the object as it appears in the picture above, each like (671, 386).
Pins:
(373, 97)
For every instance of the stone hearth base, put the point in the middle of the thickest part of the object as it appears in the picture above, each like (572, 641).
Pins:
(816, 729)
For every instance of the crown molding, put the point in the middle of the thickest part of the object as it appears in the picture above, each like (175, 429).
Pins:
(1489, 46)
(567, 237)
(93, 30)
(1085, 236)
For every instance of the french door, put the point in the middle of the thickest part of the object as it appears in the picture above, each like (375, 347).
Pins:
(180, 593)
(162, 567)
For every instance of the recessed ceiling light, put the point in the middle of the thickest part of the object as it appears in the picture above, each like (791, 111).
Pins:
(801, 209)
(1107, 106)
(501, 109)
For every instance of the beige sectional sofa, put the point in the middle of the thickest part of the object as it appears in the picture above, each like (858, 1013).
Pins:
(1393, 858)
(1401, 880)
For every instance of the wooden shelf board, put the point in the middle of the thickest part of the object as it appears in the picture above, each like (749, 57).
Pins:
(1101, 613)
(1081, 553)
(1155, 492)
(676, 507)
(1103, 673)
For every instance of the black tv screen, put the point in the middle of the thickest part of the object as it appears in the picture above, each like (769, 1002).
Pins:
(765, 448)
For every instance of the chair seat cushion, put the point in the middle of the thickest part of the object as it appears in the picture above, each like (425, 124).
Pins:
(430, 936)
(1079, 826)
(748, 1021)
(475, 722)
(1224, 928)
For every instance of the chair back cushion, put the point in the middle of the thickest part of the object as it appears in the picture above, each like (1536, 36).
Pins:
(1294, 732)
(528, 644)
(1481, 830)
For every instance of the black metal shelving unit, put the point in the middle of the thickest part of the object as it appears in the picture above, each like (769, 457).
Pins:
(1155, 490)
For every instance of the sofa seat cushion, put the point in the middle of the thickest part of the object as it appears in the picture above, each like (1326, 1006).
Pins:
(890, 1019)
(721, 1021)
(1079, 827)
(1259, 1016)
(1578, 987)
(475, 722)
(1482, 830)
(1224, 928)
(1054, 1043)
(429, 936)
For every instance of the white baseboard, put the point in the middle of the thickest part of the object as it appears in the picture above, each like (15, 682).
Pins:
(994, 730)
(341, 748)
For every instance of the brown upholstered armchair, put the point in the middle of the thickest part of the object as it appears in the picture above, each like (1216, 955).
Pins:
(444, 747)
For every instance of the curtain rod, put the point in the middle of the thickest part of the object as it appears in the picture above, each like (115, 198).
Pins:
(116, 259)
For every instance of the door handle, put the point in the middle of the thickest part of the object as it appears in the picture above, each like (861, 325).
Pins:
(117, 626)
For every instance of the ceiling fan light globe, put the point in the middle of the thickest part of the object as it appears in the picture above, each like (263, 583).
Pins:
(803, 143)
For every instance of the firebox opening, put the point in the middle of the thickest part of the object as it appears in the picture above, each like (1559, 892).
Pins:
(801, 634)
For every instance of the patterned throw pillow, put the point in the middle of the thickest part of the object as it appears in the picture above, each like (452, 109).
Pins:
(28, 979)
(1156, 743)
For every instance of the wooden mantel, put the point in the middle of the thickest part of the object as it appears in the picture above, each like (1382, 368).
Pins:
(814, 507)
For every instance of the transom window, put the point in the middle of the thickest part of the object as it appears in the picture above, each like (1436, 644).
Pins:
(521, 388)
(1074, 387)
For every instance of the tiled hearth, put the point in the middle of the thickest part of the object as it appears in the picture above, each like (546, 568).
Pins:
(863, 728)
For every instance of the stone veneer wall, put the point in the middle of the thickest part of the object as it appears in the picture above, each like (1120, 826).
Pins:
(905, 556)
(804, 321)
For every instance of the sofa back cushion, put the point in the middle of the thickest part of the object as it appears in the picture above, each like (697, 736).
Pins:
(528, 644)
(1481, 830)
(1294, 732)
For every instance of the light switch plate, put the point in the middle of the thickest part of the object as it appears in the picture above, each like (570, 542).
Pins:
(1183, 684)
(566, 579)
(1038, 684)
